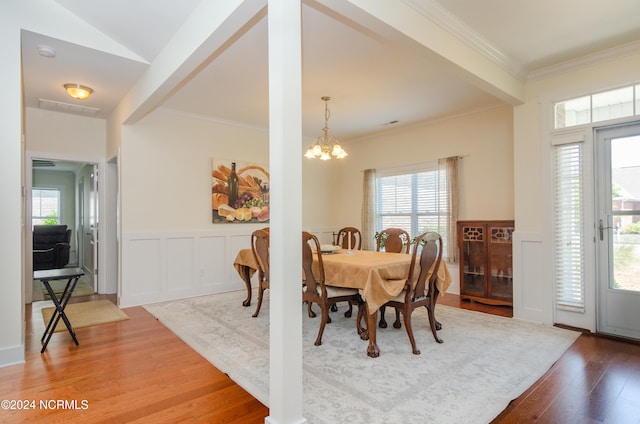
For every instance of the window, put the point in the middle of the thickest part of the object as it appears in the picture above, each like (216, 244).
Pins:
(611, 104)
(568, 227)
(414, 199)
(45, 206)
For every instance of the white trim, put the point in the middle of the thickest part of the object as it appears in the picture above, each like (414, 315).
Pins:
(12, 355)
(585, 61)
(569, 138)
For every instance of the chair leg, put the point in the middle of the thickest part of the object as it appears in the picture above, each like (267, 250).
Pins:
(309, 310)
(349, 312)
(382, 323)
(260, 295)
(433, 323)
(397, 323)
(363, 332)
(406, 312)
(323, 321)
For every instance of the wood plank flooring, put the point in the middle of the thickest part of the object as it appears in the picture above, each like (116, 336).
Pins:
(137, 371)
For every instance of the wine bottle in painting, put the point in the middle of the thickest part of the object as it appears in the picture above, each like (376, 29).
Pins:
(233, 186)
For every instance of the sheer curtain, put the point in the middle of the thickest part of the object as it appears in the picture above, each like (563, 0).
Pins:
(448, 194)
(368, 209)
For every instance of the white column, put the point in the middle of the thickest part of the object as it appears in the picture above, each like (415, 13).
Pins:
(11, 179)
(285, 164)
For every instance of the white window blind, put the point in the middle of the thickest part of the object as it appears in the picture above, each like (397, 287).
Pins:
(413, 199)
(568, 227)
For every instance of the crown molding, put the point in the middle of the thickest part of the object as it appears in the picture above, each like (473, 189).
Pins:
(433, 11)
(587, 60)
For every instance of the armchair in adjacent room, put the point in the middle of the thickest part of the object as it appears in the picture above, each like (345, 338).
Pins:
(50, 246)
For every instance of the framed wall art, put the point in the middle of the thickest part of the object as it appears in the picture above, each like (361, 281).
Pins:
(239, 192)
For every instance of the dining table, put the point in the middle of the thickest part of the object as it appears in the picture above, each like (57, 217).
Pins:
(380, 277)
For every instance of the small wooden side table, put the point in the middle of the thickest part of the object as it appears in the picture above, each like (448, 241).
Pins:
(47, 275)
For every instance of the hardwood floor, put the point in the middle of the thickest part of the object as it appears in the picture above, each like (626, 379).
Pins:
(137, 371)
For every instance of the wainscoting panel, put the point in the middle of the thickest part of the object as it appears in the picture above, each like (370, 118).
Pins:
(158, 267)
(211, 259)
(166, 266)
(532, 286)
(146, 276)
(180, 264)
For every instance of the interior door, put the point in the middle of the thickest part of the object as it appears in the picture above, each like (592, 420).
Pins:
(618, 230)
(88, 221)
(93, 225)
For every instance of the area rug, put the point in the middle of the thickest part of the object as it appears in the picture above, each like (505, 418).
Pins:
(484, 362)
(83, 288)
(86, 314)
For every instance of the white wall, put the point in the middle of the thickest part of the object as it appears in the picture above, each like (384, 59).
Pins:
(484, 139)
(64, 133)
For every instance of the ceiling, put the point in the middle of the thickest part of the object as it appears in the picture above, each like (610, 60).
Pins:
(374, 84)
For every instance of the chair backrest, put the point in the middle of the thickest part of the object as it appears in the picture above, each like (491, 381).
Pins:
(394, 240)
(350, 237)
(260, 248)
(313, 281)
(47, 236)
(429, 245)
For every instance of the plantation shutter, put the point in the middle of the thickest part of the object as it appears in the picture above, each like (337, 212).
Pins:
(569, 246)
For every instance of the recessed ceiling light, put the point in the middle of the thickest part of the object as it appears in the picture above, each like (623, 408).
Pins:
(46, 51)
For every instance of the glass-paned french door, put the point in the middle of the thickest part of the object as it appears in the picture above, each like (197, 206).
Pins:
(618, 229)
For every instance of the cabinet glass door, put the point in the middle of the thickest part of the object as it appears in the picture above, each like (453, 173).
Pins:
(473, 259)
(501, 262)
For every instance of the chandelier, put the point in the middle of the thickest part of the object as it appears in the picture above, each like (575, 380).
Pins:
(325, 146)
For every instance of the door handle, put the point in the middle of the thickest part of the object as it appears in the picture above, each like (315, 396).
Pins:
(602, 228)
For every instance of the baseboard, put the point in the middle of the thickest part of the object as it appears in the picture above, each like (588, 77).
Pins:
(12, 356)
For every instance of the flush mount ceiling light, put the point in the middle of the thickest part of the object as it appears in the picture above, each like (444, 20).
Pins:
(77, 91)
(47, 51)
(326, 145)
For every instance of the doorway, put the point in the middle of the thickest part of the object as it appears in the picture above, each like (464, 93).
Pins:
(76, 186)
(618, 230)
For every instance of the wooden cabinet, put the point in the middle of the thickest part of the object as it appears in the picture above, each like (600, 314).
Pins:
(486, 272)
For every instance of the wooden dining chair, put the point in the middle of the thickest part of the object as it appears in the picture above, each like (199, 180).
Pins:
(418, 289)
(315, 290)
(393, 240)
(260, 248)
(350, 237)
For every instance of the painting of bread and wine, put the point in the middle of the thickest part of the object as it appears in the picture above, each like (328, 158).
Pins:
(239, 192)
